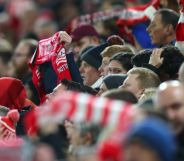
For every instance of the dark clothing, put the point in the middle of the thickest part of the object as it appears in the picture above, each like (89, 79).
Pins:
(151, 67)
(28, 80)
(113, 81)
(51, 77)
(180, 150)
(21, 126)
(73, 68)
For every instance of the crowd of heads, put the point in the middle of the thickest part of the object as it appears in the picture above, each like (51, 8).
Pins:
(119, 101)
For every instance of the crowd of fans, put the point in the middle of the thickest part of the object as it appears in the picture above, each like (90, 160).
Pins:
(91, 80)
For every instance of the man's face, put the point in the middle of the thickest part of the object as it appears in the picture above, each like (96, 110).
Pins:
(171, 101)
(104, 68)
(132, 84)
(89, 74)
(115, 67)
(21, 59)
(136, 151)
(80, 44)
(157, 31)
(59, 89)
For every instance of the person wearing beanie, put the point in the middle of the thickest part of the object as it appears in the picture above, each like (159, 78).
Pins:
(111, 81)
(84, 34)
(91, 61)
(150, 140)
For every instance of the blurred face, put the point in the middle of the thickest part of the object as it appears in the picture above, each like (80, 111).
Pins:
(157, 31)
(59, 89)
(104, 68)
(132, 84)
(103, 88)
(80, 44)
(136, 151)
(89, 74)
(172, 103)
(115, 67)
(77, 139)
(3, 68)
(21, 59)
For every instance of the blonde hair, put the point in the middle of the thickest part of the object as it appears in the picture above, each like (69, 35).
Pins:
(149, 93)
(146, 77)
(114, 49)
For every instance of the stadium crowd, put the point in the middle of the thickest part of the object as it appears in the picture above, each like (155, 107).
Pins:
(84, 80)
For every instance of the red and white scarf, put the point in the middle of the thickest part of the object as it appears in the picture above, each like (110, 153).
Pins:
(180, 29)
(50, 49)
(127, 17)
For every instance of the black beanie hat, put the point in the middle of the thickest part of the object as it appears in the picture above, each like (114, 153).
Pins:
(93, 57)
(114, 80)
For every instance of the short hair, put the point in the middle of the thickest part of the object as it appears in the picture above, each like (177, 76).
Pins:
(125, 60)
(168, 17)
(121, 94)
(92, 128)
(4, 110)
(33, 44)
(149, 93)
(142, 57)
(71, 85)
(173, 59)
(146, 78)
(90, 90)
(114, 49)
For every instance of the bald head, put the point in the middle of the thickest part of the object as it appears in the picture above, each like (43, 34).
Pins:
(170, 98)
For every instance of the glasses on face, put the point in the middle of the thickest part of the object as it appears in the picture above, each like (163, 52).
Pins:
(20, 55)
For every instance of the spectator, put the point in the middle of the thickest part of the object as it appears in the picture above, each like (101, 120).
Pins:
(85, 134)
(139, 79)
(65, 85)
(169, 98)
(91, 61)
(78, 61)
(148, 140)
(120, 63)
(121, 94)
(45, 29)
(162, 27)
(22, 55)
(83, 35)
(165, 61)
(108, 53)
(111, 81)
(5, 57)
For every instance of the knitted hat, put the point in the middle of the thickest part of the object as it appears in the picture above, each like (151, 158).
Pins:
(114, 80)
(155, 134)
(7, 128)
(93, 57)
(83, 29)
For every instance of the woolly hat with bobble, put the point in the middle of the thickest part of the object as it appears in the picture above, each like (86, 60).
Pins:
(93, 57)
(7, 128)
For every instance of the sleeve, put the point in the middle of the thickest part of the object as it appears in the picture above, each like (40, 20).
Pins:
(73, 68)
(151, 67)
